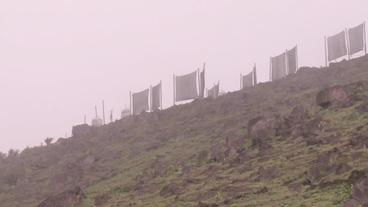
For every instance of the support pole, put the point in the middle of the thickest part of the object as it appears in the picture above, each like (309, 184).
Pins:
(111, 116)
(270, 73)
(255, 81)
(96, 112)
(287, 70)
(297, 58)
(103, 112)
(85, 119)
(161, 95)
(203, 85)
(130, 102)
(326, 52)
(365, 39)
(347, 42)
(174, 89)
(199, 81)
(241, 81)
(150, 99)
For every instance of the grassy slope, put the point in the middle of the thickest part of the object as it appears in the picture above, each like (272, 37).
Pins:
(138, 157)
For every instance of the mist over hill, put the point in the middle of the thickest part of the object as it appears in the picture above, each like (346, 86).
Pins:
(298, 141)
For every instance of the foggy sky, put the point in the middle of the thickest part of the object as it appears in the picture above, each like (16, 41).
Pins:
(58, 59)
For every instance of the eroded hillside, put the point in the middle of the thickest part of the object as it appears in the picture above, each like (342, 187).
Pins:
(300, 141)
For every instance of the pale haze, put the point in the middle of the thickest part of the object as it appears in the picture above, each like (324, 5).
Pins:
(58, 59)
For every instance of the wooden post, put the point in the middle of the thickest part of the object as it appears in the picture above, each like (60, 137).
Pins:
(326, 52)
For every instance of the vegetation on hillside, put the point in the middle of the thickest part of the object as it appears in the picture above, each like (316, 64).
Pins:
(300, 141)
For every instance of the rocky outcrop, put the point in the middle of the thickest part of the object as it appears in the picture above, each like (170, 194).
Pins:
(170, 190)
(231, 148)
(359, 195)
(333, 97)
(72, 197)
(326, 164)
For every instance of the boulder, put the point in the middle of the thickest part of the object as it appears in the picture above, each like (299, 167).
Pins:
(359, 195)
(235, 145)
(262, 127)
(231, 148)
(326, 164)
(72, 197)
(298, 115)
(362, 108)
(333, 97)
(359, 141)
(170, 190)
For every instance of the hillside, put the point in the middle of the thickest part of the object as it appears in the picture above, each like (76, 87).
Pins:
(300, 141)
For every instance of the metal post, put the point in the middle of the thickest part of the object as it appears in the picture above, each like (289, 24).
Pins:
(96, 112)
(326, 52)
(130, 102)
(150, 99)
(161, 95)
(203, 85)
(286, 63)
(270, 73)
(199, 81)
(347, 42)
(103, 112)
(297, 58)
(111, 116)
(365, 39)
(174, 89)
(255, 81)
(241, 81)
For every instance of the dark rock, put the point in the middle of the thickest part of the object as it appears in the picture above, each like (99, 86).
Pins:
(170, 190)
(235, 145)
(359, 141)
(360, 192)
(219, 152)
(266, 174)
(352, 203)
(261, 190)
(231, 148)
(200, 204)
(101, 199)
(298, 115)
(326, 164)
(72, 197)
(261, 127)
(333, 97)
(362, 108)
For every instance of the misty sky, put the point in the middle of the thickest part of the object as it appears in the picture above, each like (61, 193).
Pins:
(60, 58)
